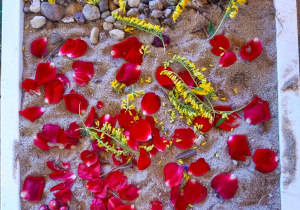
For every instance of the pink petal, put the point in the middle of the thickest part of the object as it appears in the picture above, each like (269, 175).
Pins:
(180, 203)
(126, 118)
(114, 203)
(238, 147)
(63, 79)
(225, 184)
(140, 130)
(251, 50)
(90, 119)
(116, 180)
(266, 160)
(220, 44)
(98, 186)
(68, 47)
(51, 132)
(54, 92)
(233, 120)
(79, 49)
(51, 165)
(43, 207)
(194, 192)
(204, 122)
(62, 175)
(227, 59)
(81, 78)
(156, 205)
(150, 103)
(64, 196)
(164, 80)
(100, 104)
(128, 193)
(97, 204)
(32, 113)
(158, 141)
(184, 138)
(257, 111)
(88, 173)
(199, 167)
(126, 207)
(84, 67)
(144, 161)
(39, 47)
(173, 174)
(41, 141)
(119, 160)
(174, 194)
(45, 73)
(33, 188)
(73, 101)
(30, 86)
(129, 73)
(89, 157)
(73, 131)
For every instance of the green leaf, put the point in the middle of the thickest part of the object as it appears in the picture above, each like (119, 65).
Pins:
(220, 121)
(211, 29)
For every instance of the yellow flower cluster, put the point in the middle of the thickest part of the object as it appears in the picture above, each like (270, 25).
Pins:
(179, 8)
(51, 1)
(147, 80)
(122, 4)
(92, 2)
(129, 29)
(233, 7)
(130, 97)
(118, 87)
(144, 50)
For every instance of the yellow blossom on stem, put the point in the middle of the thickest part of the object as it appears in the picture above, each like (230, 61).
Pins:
(179, 8)
(92, 2)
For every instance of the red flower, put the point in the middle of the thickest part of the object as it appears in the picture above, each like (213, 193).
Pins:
(199, 167)
(184, 138)
(251, 50)
(257, 111)
(32, 113)
(129, 73)
(173, 174)
(266, 160)
(33, 188)
(238, 147)
(225, 184)
(39, 47)
(150, 103)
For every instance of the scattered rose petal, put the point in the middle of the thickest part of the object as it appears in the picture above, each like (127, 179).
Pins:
(233, 120)
(62, 175)
(150, 103)
(54, 92)
(129, 73)
(51, 132)
(114, 203)
(116, 180)
(51, 165)
(32, 113)
(128, 193)
(132, 143)
(227, 59)
(199, 167)
(97, 204)
(194, 192)
(174, 193)
(257, 111)
(238, 147)
(64, 196)
(100, 104)
(33, 188)
(79, 49)
(153, 151)
(184, 138)
(63, 78)
(140, 130)
(39, 47)
(90, 119)
(68, 47)
(73, 131)
(151, 121)
(158, 141)
(126, 118)
(98, 186)
(80, 78)
(225, 184)
(88, 173)
(173, 174)
(41, 141)
(45, 73)
(186, 77)
(251, 50)
(108, 119)
(119, 160)
(220, 44)
(164, 80)
(126, 207)
(266, 160)
(180, 203)
(89, 157)
(30, 86)
(84, 71)
(156, 205)
(158, 43)
(204, 122)
(144, 161)
(73, 101)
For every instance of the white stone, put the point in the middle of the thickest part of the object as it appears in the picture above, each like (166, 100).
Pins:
(134, 3)
(38, 22)
(68, 20)
(117, 34)
(35, 6)
(105, 14)
(107, 26)
(119, 25)
(94, 38)
(91, 12)
(110, 19)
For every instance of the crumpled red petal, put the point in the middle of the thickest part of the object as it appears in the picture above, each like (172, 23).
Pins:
(45, 73)
(227, 59)
(257, 111)
(140, 130)
(84, 71)
(62, 175)
(174, 194)
(41, 141)
(225, 184)
(64, 196)
(80, 78)
(144, 161)
(150, 103)
(51, 132)
(184, 138)
(126, 207)
(97, 204)
(266, 160)
(54, 92)
(158, 141)
(220, 44)
(129, 192)
(251, 50)
(198, 168)
(164, 80)
(67, 48)
(156, 205)
(88, 173)
(89, 157)
(233, 120)
(173, 174)
(204, 122)
(73, 101)
(90, 119)
(238, 147)
(33, 188)
(129, 73)
(186, 77)
(51, 165)
(98, 186)
(126, 118)
(114, 203)
(194, 192)
(180, 203)
(73, 131)
(116, 180)
(30, 86)
(32, 113)
(100, 104)
(74, 48)
(119, 160)
(39, 47)
(63, 78)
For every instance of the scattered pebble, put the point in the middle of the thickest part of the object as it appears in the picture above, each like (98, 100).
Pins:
(172, 2)
(105, 14)
(147, 11)
(52, 12)
(110, 19)
(79, 17)
(91, 12)
(168, 13)
(134, 3)
(119, 25)
(35, 6)
(168, 22)
(94, 38)
(165, 3)
(155, 5)
(112, 5)
(107, 26)
(103, 5)
(142, 6)
(68, 20)
(38, 22)
(235, 162)
(26, 8)
(117, 34)
(55, 38)
(157, 13)
(134, 12)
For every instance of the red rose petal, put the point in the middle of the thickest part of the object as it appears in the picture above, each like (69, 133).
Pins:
(41, 141)
(84, 67)
(225, 184)
(128, 193)
(51, 165)
(119, 160)
(140, 130)
(173, 174)
(129, 73)
(116, 180)
(257, 111)
(132, 143)
(180, 203)
(73, 101)
(100, 104)
(164, 80)
(184, 138)
(186, 77)
(63, 79)
(54, 92)
(97, 204)
(126, 207)
(64, 196)
(51, 132)
(153, 151)
(30, 86)
(73, 131)
(32, 113)
(39, 47)
(158, 141)
(174, 194)
(108, 119)
(79, 49)
(199, 167)
(81, 78)
(238, 147)
(68, 47)
(90, 119)
(233, 120)
(89, 157)
(266, 160)
(251, 50)
(60, 186)
(62, 139)
(98, 186)
(220, 44)
(114, 203)
(151, 121)
(150, 103)
(194, 192)
(45, 73)
(156, 205)
(144, 161)
(88, 173)
(227, 59)
(62, 175)
(204, 122)
(33, 188)
(126, 118)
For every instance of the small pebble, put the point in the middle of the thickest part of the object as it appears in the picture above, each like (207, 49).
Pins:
(119, 25)
(147, 11)
(168, 13)
(168, 22)
(157, 13)
(55, 38)
(79, 17)
(156, 5)
(134, 12)
(94, 38)
(117, 34)
(103, 5)
(35, 6)
(107, 26)
(52, 12)
(134, 3)
(110, 19)
(38, 22)
(112, 5)
(105, 14)
(235, 162)
(142, 7)
(165, 3)
(91, 12)
(172, 2)
(26, 8)
(68, 20)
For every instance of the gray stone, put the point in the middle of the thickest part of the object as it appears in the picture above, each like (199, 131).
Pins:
(110, 19)
(143, 17)
(52, 12)
(68, 20)
(134, 12)
(155, 5)
(145, 1)
(79, 17)
(35, 6)
(168, 13)
(134, 3)
(91, 12)
(102, 37)
(117, 34)
(157, 13)
(94, 38)
(103, 5)
(107, 26)
(26, 8)
(105, 14)
(142, 7)
(168, 22)
(172, 2)
(119, 25)
(38, 22)
(55, 38)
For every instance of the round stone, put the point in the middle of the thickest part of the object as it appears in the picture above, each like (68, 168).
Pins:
(55, 38)
(172, 2)
(103, 5)
(157, 13)
(107, 26)
(38, 22)
(91, 12)
(117, 34)
(155, 5)
(110, 19)
(134, 12)
(105, 14)
(134, 3)
(52, 12)
(35, 6)
(79, 17)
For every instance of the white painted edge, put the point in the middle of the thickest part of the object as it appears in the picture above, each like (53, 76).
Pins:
(289, 99)
(11, 75)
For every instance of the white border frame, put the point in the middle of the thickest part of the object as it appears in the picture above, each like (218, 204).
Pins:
(12, 67)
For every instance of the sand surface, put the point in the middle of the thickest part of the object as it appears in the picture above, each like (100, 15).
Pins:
(256, 190)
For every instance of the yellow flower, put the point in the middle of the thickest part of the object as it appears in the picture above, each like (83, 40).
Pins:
(93, 2)
(130, 97)
(178, 10)
(129, 29)
(122, 4)
(51, 1)
(241, 2)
